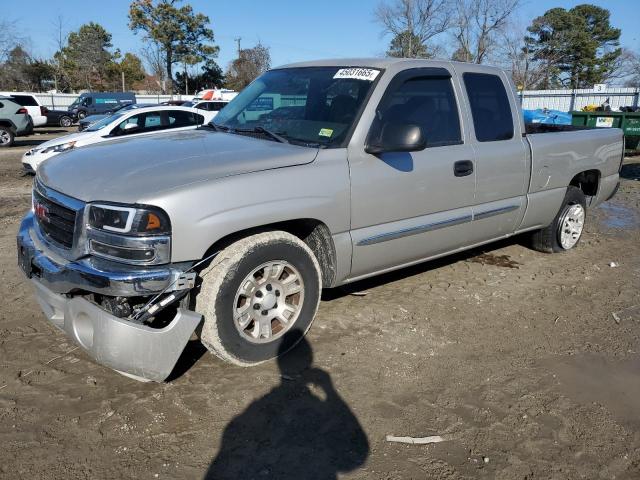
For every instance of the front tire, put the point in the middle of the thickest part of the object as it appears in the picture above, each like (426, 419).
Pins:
(254, 292)
(565, 231)
(66, 122)
(81, 115)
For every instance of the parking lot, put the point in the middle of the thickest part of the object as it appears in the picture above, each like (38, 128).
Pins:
(526, 364)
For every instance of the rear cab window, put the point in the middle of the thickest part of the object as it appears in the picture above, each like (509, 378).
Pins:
(490, 108)
(25, 100)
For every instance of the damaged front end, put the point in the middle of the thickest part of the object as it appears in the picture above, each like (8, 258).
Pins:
(132, 318)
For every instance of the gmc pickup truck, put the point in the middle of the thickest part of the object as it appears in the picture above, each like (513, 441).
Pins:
(316, 175)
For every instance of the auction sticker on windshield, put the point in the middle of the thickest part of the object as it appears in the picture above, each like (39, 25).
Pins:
(357, 73)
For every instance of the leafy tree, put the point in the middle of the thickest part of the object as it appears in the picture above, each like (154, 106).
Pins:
(408, 45)
(210, 76)
(579, 45)
(182, 34)
(251, 63)
(87, 59)
(41, 75)
(13, 71)
(131, 66)
(22, 72)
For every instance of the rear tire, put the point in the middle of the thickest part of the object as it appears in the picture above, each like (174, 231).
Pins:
(254, 292)
(565, 231)
(7, 137)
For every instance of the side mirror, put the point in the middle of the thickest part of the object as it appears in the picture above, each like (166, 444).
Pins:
(398, 138)
(131, 127)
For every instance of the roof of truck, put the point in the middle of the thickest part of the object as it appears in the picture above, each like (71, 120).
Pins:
(373, 62)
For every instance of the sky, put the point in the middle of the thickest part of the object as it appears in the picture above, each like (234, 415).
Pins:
(294, 30)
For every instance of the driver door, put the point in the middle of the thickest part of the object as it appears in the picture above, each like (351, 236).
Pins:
(407, 207)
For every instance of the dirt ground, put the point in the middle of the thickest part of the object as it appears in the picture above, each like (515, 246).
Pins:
(526, 364)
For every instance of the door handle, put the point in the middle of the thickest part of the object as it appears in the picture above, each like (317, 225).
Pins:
(462, 168)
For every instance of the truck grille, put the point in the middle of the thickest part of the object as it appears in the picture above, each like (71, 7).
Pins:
(56, 222)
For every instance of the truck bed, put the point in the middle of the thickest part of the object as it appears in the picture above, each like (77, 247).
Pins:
(559, 152)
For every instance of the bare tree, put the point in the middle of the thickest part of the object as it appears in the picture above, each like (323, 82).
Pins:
(626, 69)
(153, 54)
(6, 42)
(414, 24)
(478, 25)
(514, 53)
(60, 36)
(9, 38)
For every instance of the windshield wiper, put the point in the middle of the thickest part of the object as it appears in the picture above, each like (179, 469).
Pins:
(215, 127)
(276, 136)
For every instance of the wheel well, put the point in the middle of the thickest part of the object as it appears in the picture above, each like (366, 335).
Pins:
(312, 232)
(4, 123)
(587, 181)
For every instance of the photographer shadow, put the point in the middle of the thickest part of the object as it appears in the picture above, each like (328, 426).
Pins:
(300, 429)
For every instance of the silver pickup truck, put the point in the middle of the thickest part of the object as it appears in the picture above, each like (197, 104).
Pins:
(316, 175)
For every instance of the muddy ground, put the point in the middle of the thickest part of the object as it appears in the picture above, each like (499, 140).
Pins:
(526, 364)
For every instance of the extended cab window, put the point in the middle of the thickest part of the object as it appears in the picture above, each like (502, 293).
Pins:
(428, 102)
(490, 107)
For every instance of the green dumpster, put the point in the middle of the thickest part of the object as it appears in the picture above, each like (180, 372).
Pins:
(629, 122)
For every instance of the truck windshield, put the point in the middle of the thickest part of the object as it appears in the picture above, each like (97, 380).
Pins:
(314, 105)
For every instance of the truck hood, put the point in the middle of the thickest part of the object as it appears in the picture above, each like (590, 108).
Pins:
(129, 170)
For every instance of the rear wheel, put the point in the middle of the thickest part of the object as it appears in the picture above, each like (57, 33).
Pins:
(6, 137)
(565, 231)
(81, 114)
(66, 121)
(254, 292)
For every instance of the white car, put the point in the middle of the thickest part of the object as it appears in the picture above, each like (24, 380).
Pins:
(37, 112)
(138, 122)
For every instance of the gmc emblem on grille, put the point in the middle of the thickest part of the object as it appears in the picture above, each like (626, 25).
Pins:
(41, 212)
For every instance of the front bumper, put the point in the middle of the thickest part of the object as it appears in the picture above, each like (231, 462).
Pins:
(137, 351)
(32, 158)
(89, 274)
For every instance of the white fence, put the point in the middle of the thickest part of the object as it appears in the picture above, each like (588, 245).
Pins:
(563, 100)
(568, 100)
(60, 101)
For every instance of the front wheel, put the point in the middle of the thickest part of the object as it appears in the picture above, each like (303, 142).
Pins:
(254, 292)
(6, 137)
(81, 115)
(565, 231)
(66, 121)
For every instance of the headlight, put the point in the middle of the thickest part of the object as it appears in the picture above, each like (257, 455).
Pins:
(63, 147)
(129, 220)
(135, 235)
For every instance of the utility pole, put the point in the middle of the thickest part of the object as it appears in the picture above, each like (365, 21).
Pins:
(122, 81)
(237, 39)
(186, 79)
